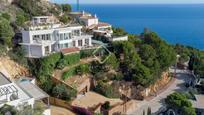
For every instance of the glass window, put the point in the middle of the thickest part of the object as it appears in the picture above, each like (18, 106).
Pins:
(87, 41)
(74, 43)
(66, 45)
(79, 42)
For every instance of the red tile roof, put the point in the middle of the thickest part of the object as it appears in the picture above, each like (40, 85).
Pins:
(70, 50)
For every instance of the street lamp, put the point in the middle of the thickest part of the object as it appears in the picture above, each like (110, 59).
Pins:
(177, 58)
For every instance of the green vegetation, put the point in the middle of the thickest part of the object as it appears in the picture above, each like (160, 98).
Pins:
(82, 69)
(6, 16)
(145, 66)
(68, 73)
(64, 19)
(20, 19)
(107, 90)
(66, 8)
(72, 58)
(119, 32)
(6, 32)
(78, 70)
(18, 54)
(180, 104)
(106, 105)
(24, 109)
(86, 53)
(62, 92)
(31, 7)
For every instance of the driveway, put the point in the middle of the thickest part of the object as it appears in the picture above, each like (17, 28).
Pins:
(157, 103)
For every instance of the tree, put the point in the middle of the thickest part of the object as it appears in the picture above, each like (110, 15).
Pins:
(6, 32)
(65, 19)
(20, 19)
(62, 92)
(188, 111)
(59, 91)
(180, 104)
(18, 54)
(106, 105)
(66, 8)
(119, 32)
(112, 61)
(82, 69)
(166, 55)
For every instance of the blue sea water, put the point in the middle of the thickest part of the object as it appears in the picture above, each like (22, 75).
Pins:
(182, 24)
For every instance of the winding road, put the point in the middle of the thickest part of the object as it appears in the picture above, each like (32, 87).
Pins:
(157, 103)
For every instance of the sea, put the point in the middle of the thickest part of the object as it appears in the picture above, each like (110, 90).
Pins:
(175, 23)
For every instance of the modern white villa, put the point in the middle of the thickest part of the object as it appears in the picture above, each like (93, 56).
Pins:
(92, 23)
(21, 92)
(46, 35)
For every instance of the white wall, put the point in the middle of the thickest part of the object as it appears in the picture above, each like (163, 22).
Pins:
(122, 38)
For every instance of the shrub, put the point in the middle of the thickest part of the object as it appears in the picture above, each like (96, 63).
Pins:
(66, 8)
(18, 55)
(65, 19)
(82, 69)
(106, 90)
(86, 53)
(20, 19)
(6, 32)
(61, 64)
(68, 73)
(81, 111)
(72, 58)
(62, 92)
(106, 105)
(6, 16)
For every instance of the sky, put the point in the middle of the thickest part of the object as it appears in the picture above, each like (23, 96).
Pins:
(131, 1)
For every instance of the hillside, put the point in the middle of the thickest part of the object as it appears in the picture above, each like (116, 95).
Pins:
(13, 17)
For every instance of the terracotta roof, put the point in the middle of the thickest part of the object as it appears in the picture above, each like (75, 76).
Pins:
(69, 50)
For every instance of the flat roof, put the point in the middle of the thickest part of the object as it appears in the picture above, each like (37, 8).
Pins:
(4, 80)
(32, 90)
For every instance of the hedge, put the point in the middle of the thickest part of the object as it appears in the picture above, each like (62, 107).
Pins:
(86, 53)
(68, 73)
(72, 58)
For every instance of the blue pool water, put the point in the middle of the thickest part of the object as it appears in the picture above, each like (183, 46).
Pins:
(182, 24)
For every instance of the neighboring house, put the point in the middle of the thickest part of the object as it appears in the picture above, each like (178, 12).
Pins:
(92, 23)
(21, 92)
(47, 36)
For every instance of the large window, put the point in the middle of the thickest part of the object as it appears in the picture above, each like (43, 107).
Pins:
(74, 43)
(36, 37)
(86, 42)
(66, 45)
(79, 42)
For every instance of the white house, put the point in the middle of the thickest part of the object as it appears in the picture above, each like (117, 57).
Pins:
(20, 92)
(45, 37)
(92, 22)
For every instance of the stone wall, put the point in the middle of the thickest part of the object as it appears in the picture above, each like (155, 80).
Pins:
(129, 90)
(121, 108)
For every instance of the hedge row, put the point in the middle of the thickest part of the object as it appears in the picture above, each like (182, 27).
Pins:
(72, 58)
(68, 73)
(86, 53)
(78, 70)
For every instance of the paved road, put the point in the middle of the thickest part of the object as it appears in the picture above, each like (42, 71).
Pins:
(157, 103)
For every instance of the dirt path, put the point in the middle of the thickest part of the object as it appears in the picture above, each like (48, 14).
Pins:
(60, 111)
